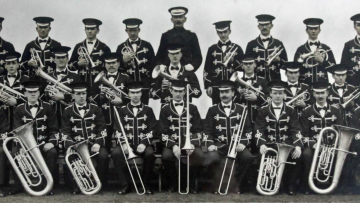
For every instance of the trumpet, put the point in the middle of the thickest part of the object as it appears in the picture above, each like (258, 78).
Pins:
(159, 70)
(304, 95)
(235, 78)
(83, 53)
(277, 51)
(28, 163)
(110, 93)
(351, 97)
(35, 56)
(232, 152)
(230, 55)
(82, 168)
(272, 168)
(6, 93)
(131, 156)
(324, 156)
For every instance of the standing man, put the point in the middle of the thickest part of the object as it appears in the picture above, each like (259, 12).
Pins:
(41, 45)
(267, 49)
(173, 117)
(351, 54)
(45, 126)
(220, 129)
(85, 121)
(192, 54)
(139, 124)
(222, 59)
(5, 47)
(4, 129)
(315, 56)
(279, 123)
(137, 57)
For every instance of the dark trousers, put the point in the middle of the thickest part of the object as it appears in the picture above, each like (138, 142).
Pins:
(244, 159)
(307, 156)
(109, 137)
(122, 170)
(145, 95)
(2, 166)
(196, 160)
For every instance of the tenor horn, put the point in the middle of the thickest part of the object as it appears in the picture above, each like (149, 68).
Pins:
(322, 167)
(29, 163)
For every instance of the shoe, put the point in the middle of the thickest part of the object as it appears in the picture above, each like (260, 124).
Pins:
(237, 190)
(76, 191)
(193, 191)
(291, 190)
(124, 191)
(14, 191)
(148, 192)
(51, 193)
(307, 192)
(2, 193)
(171, 189)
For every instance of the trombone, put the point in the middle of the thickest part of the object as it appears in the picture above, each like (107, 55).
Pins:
(131, 156)
(83, 53)
(233, 152)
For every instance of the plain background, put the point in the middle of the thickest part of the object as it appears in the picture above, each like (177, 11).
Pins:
(19, 27)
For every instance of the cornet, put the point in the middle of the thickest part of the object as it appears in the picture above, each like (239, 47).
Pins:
(6, 93)
(235, 78)
(127, 50)
(83, 53)
(310, 55)
(273, 55)
(230, 55)
(159, 70)
(110, 93)
(35, 56)
(304, 96)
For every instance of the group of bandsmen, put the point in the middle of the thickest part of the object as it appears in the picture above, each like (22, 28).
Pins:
(97, 80)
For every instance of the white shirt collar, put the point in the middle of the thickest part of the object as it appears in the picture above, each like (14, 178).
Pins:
(274, 105)
(115, 73)
(46, 38)
(135, 104)
(223, 104)
(133, 40)
(78, 106)
(91, 41)
(309, 40)
(16, 74)
(225, 41)
(295, 83)
(37, 102)
(337, 85)
(175, 102)
(178, 65)
(263, 37)
(318, 106)
(252, 76)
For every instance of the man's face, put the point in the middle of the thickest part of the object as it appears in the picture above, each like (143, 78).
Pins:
(178, 21)
(32, 96)
(356, 27)
(43, 31)
(224, 35)
(249, 67)
(80, 97)
(112, 67)
(91, 32)
(12, 66)
(175, 58)
(178, 95)
(292, 76)
(277, 96)
(133, 33)
(313, 32)
(265, 28)
(320, 97)
(61, 61)
(226, 95)
(135, 96)
(339, 78)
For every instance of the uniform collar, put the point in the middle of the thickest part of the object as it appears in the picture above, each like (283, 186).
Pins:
(280, 106)
(315, 41)
(263, 37)
(46, 38)
(223, 104)
(78, 106)
(115, 73)
(94, 41)
(252, 76)
(175, 102)
(295, 83)
(37, 103)
(133, 40)
(318, 106)
(336, 85)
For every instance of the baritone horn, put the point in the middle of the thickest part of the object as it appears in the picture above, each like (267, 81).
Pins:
(83, 53)
(271, 169)
(82, 168)
(110, 93)
(322, 167)
(131, 156)
(28, 162)
(232, 152)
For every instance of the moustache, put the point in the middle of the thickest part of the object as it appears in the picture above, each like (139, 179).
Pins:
(224, 97)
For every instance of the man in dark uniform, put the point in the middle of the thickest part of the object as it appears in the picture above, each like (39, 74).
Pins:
(4, 129)
(315, 56)
(173, 125)
(139, 124)
(265, 47)
(192, 54)
(313, 119)
(220, 129)
(351, 54)
(45, 126)
(222, 59)
(90, 47)
(85, 121)
(14, 80)
(296, 88)
(279, 123)
(175, 71)
(41, 45)
(5, 47)
(137, 57)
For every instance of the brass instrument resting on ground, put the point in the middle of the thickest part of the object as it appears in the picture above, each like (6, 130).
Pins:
(82, 168)
(83, 53)
(110, 93)
(28, 162)
(322, 167)
(6, 93)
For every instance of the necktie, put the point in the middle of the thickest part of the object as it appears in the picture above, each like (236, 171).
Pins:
(266, 40)
(290, 86)
(111, 76)
(42, 41)
(135, 106)
(133, 42)
(11, 76)
(174, 68)
(179, 104)
(251, 78)
(226, 106)
(314, 43)
(90, 42)
(82, 108)
(340, 87)
(61, 72)
(33, 106)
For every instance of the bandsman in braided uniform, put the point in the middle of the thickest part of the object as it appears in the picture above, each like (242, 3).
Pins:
(220, 128)
(137, 57)
(222, 59)
(139, 123)
(42, 45)
(5, 47)
(264, 46)
(4, 129)
(315, 56)
(279, 123)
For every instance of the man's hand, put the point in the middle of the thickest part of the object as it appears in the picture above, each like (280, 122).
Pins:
(212, 148)
(263, 149)
(209, 91)
(117, 101)
(83, 62)
(95, 148)
(11, 101)
(318, 57)
(315, 145)
(250, 96)
(32, 63)
(276, 59)
(240, 147)
(189, 152)
(299, 103)
(176, 151)
(141, 148)
(297, 152)
(126, 149)
(48, 146)
(57, 95)
(128, 56)
(189, 67)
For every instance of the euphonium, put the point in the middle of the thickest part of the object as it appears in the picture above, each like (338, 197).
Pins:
(273, 55)
(304, 95)
(82, 168)
(272, 168)
(131, 156)
(115, 90)
(29, 163)
(83, 53)
(233, 152)
(324, 156)
(159, 71)
(230, 55)
(35, 56)
(6, 93)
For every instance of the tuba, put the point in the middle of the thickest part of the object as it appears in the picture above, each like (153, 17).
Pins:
(110, 92)
(131, 156)
(272, 168)
(82, 168)
(233, 152)
(322, 167)
(6, 93)
(83, 53)
(28, 163)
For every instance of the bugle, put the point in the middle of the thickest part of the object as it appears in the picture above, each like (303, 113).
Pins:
(235, 78)
(84, 54)
(277, 51)
(305, 95)
(115, 90)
